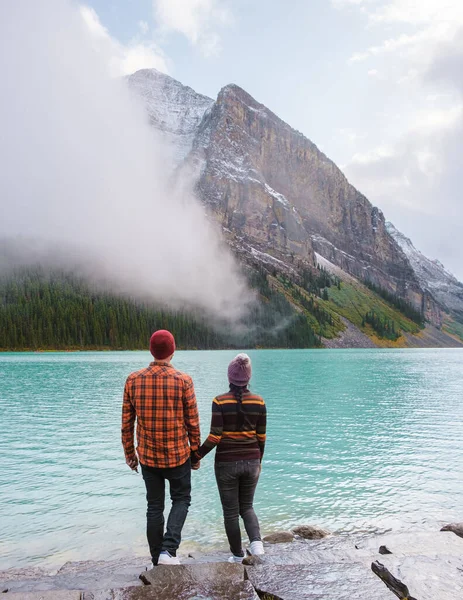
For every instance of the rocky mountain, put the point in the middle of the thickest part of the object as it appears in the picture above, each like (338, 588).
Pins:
(431, 274)
(279, 199)
(175, 110)
(268, 181)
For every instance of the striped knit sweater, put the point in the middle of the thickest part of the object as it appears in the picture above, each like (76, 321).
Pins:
(234, 441)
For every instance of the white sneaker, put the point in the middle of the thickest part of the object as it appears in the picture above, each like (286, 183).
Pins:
(235, 559)
(257, 548)
(166, 559)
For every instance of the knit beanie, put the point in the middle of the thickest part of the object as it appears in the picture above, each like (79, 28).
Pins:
(239, 370)
(162, 344)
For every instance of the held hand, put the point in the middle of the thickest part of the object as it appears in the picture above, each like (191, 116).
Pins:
(132, 463)
(195, 466)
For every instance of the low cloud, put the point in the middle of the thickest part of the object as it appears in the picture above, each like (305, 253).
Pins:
(83, 183)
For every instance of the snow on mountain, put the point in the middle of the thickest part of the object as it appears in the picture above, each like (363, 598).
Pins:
(431, 274)
(175, 110)
(270, 185)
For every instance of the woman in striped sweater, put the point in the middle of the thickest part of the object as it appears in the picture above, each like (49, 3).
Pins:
(238, 430)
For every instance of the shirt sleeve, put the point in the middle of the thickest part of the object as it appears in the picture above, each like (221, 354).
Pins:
(190, 411)
(216, 432)
(261, 430)
(128, 421)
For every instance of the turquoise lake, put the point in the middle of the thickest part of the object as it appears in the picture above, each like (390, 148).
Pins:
(358, 441)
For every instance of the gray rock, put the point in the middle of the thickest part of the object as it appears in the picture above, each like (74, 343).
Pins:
(83, 575)
(423, 577)
(242, 591)
(417, 543)
(214, 581)
(310, 532)
(455, 527)
(51, 595)
(252, 561)
(279, 537)
(336, 581)
(395, 585)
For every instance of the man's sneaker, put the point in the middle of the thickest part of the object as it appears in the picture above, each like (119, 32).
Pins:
(235, 559)
(257, 548)
(165, 558)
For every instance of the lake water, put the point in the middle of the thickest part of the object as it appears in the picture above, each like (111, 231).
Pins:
(358, 441)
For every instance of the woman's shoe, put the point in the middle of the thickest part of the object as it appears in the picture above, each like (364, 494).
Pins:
(165, 558)
(257, 548)
(235, 559)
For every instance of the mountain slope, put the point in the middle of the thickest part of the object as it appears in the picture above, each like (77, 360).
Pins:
(431, 274)
(279, 199)
(175, 110)
(267, 180)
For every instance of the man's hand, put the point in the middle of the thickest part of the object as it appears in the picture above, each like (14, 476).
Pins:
(132, 463)
(195, 459)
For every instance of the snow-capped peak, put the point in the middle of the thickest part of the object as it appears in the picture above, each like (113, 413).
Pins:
(174, 109)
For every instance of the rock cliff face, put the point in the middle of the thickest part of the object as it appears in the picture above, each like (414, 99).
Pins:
(272, 190)
(431, 274)
(267, 181)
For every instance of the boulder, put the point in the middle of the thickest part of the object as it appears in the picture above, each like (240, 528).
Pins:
(422, 577)
(252, 560)
(279, 537)
(241, 591)
(82, 575)
(334, 581)
(424, 543)
(50, 595)
(213, 581)
(310, 532)
(455, 527)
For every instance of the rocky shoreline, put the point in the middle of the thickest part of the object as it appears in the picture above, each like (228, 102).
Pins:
(306, 563)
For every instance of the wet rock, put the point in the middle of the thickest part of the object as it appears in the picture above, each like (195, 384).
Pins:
(279, 537)
(83, 575)
(396, 586)
(314, 552)
(51, 595)
(455, 527)
(417, 543)
(214, 581)
(423, 577)
(310, 532)
(252, 561)
(336, 581)
(384, 550)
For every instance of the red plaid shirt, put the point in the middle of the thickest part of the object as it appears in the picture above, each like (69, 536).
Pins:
(163, 401)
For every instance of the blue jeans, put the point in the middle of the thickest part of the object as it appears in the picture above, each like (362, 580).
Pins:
(237, 482)
(180, 493)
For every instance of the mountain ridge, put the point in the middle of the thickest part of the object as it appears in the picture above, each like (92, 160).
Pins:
(276, 195)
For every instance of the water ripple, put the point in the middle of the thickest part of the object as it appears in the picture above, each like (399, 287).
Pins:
(358, 441)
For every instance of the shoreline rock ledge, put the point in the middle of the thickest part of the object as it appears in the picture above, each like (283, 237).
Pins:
(412, 566)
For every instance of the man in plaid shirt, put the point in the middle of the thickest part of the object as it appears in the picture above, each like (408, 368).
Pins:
(163, 402)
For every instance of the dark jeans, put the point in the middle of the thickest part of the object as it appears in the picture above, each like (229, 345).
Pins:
(180, 493)
(237, 483)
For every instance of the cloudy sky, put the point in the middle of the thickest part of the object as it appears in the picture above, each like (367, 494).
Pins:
(376, 84)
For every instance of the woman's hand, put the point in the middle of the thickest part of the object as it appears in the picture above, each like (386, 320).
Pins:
(195, 461)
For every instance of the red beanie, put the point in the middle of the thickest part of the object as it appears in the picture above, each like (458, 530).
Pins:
(162, 344)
